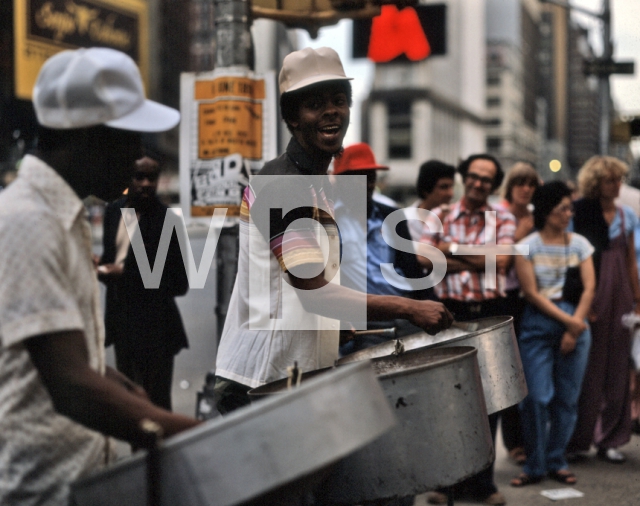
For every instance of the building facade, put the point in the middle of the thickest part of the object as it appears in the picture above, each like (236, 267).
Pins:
(433, 108)
(512, 81)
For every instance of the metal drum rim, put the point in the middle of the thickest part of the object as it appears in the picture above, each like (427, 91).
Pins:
(464, 353)
(273, 403)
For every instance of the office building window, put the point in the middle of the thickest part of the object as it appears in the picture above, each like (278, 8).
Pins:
(399, 128)
(494, 143)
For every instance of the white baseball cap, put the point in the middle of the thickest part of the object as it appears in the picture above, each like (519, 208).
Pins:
(97, 86)
(310, 66)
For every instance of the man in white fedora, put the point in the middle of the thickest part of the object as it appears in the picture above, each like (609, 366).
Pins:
(279, 246)
(57, 398)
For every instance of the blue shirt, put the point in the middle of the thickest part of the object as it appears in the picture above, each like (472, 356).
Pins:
(369, 258)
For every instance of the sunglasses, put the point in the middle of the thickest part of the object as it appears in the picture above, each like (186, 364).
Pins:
(141, 176)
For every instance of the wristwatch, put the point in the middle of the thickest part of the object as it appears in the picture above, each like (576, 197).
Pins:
(453, 247)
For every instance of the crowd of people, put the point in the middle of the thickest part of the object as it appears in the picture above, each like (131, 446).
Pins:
(568, 294)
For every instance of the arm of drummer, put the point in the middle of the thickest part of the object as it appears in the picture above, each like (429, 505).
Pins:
(574, 324)
(95, 401)
(336, 301)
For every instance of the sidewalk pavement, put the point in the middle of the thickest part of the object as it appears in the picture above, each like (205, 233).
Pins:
(602, 483)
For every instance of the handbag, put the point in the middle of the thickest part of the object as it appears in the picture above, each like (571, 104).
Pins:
(573, 287)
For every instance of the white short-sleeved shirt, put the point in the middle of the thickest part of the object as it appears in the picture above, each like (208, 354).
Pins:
(550, 261)
(48, 285)
(259, 342)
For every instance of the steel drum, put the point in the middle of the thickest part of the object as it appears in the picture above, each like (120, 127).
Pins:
(256, 455)
(501, 370)
(442, 437)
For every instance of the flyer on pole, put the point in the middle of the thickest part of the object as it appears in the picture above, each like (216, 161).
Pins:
(228, 131)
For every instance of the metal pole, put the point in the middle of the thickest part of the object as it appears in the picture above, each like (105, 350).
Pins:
(233, 48)
(604, 89)
(233, 37)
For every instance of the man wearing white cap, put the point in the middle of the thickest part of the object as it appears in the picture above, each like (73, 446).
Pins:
(56, 395)
(315, 101)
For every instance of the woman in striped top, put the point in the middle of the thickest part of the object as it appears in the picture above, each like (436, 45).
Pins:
(554, 337)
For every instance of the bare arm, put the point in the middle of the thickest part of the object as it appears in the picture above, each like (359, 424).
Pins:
(588, 276)
(99, 402)
(457, 263)
(632, 268)
(428, 315)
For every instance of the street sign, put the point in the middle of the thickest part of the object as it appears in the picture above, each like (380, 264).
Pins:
(228, 131)
(600, 67)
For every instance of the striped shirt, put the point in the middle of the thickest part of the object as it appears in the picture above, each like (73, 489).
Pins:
(550, 261)
(464, 226)
(267, 329)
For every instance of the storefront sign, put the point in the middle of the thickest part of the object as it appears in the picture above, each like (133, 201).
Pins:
(43, 28)
(228, 131)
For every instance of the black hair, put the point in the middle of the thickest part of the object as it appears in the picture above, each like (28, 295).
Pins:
(463, 168)
(51, 139)
(545, 199)
(430, 173)
(290, 101)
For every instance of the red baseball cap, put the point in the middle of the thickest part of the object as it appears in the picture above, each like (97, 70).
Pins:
(357, 157)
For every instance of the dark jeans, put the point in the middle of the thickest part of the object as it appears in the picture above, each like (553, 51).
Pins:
(230, 395)
(152, 369)
(550, 410)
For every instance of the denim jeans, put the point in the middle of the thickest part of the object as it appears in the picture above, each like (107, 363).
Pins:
(550, 410)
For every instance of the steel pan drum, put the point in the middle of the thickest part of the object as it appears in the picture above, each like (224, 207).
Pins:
(442, 437)
(501, 370)
(255, 454)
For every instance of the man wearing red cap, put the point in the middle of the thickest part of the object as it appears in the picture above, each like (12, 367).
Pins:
(363, 272)
(280, 246)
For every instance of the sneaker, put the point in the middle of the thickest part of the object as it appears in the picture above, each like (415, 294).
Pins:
(496, 499)
(437, 498)
(611, 455)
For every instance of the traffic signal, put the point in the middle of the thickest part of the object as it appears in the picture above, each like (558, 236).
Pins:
(403, 36)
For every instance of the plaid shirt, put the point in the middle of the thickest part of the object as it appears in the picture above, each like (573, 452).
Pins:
(464, 226)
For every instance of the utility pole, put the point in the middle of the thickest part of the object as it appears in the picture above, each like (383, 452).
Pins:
(602, 67)
(604, 85)
(234, 48)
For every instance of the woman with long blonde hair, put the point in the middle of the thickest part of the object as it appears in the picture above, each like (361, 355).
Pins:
(604, 413)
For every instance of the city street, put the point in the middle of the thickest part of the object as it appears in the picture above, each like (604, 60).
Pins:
(601, 483)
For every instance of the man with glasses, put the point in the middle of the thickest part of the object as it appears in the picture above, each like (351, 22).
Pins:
(144, 325)
(464, 289)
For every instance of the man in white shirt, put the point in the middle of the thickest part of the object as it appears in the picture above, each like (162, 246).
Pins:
(56, 395)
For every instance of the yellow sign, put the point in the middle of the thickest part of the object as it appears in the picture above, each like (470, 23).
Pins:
(238, 87)
(230, 126)
(43, 28)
